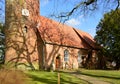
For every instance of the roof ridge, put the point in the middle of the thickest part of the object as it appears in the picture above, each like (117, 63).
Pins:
(82, 37)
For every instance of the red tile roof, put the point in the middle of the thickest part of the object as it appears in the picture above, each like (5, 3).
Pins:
(87, 38)
(57, 33)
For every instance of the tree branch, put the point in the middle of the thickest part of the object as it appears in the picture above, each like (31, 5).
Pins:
(89, 2)
(118, 4)
(66, 15)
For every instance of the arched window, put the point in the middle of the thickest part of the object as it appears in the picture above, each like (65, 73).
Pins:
(79, 57)
(25, 29)
(66, 55)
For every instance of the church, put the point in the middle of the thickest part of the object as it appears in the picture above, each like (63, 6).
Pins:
(37, 42)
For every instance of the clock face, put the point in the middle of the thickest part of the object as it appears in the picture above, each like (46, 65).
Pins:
(25, 12)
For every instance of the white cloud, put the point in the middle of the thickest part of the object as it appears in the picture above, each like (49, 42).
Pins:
(81, 18)
(73, 22)
(76, 21)
(44, 2)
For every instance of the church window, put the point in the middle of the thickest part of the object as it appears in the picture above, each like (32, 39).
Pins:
(79, 57)
(25, 29)
(66, 55)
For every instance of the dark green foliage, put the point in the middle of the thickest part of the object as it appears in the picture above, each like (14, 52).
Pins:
(108, 36)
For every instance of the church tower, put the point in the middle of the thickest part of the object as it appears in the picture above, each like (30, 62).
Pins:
(20, 23)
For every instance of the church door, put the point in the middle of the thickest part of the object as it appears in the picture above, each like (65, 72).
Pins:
(57, 62)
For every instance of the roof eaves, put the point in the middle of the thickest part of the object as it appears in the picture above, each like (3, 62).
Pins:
(51, 43)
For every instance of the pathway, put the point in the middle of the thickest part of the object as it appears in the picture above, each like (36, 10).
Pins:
(91, 80)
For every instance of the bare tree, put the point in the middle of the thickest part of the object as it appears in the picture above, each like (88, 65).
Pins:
(88, 7)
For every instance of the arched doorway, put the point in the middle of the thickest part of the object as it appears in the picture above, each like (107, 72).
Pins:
(57, 62)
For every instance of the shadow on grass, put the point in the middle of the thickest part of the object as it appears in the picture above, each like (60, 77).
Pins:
(42, 80)
(109, 77)
(87, 82)
(50, 80)
(94, 75)
(78, 73)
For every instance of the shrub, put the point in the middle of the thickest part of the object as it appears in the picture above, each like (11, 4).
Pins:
(12, 77)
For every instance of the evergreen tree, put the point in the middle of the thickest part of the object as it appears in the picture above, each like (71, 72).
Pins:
(108, 36)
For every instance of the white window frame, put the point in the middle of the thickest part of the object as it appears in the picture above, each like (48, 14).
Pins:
(66, 55)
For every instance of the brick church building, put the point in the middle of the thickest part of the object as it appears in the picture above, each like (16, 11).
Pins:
(34, 41)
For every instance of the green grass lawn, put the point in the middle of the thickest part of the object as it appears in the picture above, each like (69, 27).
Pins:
(112, 76)
(43, 77)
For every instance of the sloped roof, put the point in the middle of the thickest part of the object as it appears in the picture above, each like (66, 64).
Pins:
(87, 38)
(56, 33)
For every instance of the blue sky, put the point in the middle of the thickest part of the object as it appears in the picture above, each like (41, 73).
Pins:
(2, 12)
(83, 22)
